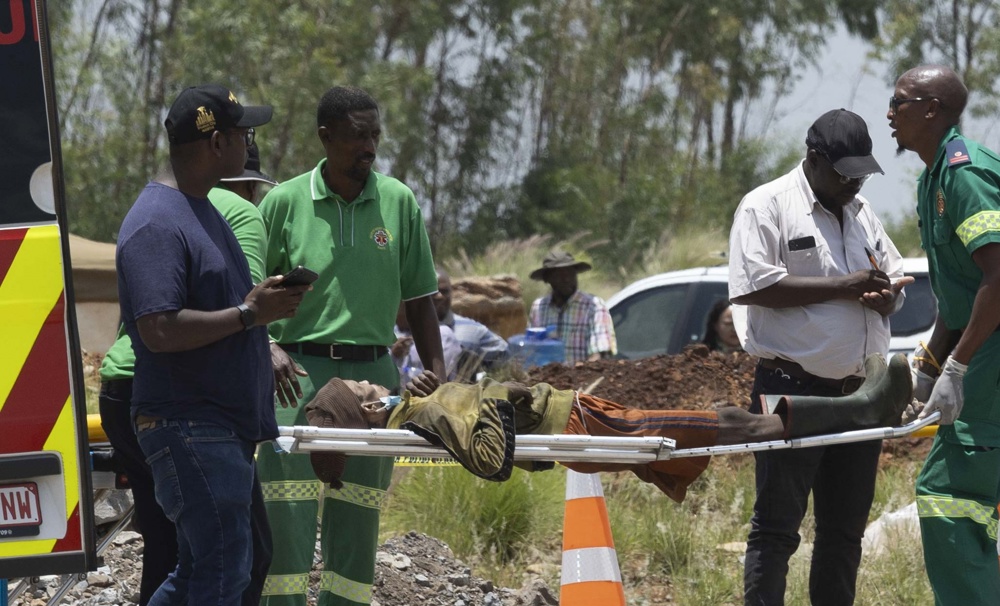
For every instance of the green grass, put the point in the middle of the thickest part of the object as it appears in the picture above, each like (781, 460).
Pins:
(691, 551)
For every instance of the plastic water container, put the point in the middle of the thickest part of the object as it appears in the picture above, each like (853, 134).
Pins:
(536, 348)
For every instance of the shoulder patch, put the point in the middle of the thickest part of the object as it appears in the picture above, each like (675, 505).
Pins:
(956, 153)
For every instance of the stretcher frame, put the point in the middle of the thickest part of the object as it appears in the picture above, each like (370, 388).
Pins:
(569, 448)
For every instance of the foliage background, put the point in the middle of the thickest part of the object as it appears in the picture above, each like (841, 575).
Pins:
(629, 121)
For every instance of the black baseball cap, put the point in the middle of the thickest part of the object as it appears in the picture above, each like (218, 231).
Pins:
(841, 136)
(201, 110)
(251, 170)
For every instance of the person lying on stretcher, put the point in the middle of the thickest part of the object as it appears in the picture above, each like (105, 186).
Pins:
(477, 423)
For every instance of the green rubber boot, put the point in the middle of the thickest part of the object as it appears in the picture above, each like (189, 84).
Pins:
(879, 402)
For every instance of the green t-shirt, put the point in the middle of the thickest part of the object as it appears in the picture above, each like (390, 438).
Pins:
(959, 209)
(245, 220)
(370, 253)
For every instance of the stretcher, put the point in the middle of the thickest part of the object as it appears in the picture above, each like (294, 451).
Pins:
(398, 442)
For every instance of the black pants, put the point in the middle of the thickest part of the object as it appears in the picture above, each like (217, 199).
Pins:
(842, 481)
(159, 554)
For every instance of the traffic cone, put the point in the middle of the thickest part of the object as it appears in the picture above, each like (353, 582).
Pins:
(590, 573)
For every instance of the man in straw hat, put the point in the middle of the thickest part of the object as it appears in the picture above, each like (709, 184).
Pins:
(477, 423)
(582, 320)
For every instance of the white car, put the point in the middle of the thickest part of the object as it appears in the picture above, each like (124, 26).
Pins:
(663, 313)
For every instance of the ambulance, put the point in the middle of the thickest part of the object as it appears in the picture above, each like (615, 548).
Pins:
(46, 497)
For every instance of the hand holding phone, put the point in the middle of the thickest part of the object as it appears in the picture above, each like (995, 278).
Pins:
(300, 276)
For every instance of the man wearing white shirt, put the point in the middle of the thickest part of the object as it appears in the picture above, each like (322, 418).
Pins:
(819, 277)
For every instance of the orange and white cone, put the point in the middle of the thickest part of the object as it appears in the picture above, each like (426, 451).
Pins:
(590, 573)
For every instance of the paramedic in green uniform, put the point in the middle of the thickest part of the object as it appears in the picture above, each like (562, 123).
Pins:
(958, 371)
(363, 233)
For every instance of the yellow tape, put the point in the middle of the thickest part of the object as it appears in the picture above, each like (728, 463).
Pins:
(425, 462)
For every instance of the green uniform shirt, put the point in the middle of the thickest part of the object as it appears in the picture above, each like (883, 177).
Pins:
(958, 202)
(244, 218)
(370, 253)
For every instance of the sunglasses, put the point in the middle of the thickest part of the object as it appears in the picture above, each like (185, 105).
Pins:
(845, 180)
(895, 102)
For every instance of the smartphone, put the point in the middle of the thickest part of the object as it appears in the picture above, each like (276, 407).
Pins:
(300, 276)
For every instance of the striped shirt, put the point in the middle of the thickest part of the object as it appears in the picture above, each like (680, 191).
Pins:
(583, 324)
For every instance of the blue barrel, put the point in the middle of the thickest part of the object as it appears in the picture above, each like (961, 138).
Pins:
(537, 348)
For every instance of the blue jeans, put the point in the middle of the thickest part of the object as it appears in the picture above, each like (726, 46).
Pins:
(159, 537)
(203, 479)
(842, 481)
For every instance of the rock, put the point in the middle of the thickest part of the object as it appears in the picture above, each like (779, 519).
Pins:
(98, 579)
(536, 593)
(422, 580)
(112, 506)
(127, 537)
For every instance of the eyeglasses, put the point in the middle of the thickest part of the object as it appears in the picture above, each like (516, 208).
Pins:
(845, 180)
(895, 102)
(248, 137)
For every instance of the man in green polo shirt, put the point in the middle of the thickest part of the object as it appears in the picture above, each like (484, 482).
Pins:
(957, 372)
(363, 233)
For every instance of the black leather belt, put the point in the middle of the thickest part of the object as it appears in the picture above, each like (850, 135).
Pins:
(353, 353)
(845, 386)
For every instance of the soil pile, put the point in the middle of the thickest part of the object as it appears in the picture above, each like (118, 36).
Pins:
(696, 379)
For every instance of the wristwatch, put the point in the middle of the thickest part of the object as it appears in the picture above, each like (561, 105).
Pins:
(247, 316)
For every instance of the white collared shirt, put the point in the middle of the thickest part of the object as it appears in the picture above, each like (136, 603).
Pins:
(781, 229)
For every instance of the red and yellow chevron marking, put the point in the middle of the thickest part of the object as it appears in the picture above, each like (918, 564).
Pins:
(36, 407)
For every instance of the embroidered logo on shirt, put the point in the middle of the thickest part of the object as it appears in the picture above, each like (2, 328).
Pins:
(940, 203)
(381, 237)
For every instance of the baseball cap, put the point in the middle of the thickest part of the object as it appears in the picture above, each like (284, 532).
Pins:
(201, 110)
(251, 170)
(842, 137)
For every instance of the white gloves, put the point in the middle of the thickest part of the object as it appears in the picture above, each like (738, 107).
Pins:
(947, 394)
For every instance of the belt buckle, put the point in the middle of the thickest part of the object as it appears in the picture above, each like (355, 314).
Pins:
(334, 357)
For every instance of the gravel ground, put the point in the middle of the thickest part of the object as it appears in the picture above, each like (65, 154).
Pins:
(411, 570)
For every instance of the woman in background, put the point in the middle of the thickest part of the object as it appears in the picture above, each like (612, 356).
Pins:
(720, 334)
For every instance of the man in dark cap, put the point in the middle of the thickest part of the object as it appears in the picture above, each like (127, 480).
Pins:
(818, 277)
(581, 319)
(233, 198)
(203, 388)
(958, 202)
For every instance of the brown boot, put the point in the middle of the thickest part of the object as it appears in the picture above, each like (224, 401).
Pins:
(879, 402)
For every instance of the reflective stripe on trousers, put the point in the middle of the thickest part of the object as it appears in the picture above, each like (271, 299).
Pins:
(944, 507)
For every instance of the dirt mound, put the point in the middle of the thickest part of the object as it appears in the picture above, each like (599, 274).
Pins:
(419, 570)
(693, 379)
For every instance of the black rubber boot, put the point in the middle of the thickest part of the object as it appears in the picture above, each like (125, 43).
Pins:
(879, 402)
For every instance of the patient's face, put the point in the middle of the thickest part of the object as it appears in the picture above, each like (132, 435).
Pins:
(376, 414)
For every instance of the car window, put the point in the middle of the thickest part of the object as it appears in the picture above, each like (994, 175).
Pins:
(705, 296)
(645, 322)
(919, 309)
